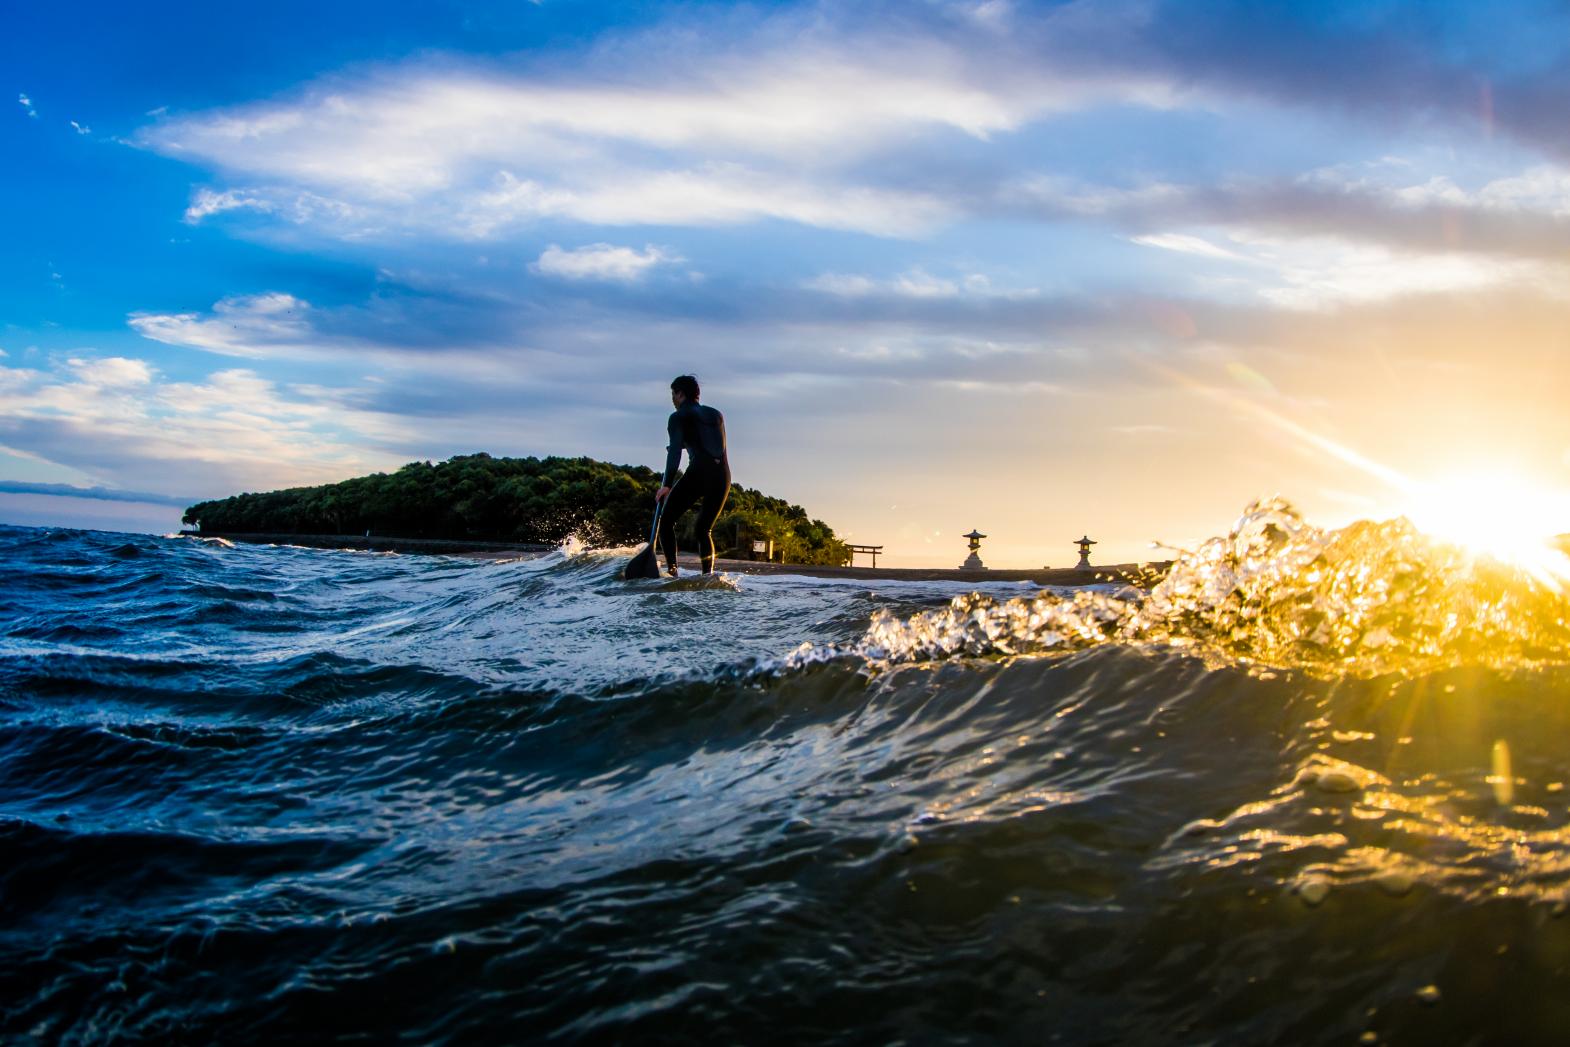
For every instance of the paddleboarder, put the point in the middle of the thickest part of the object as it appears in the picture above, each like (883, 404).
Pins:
(701, 430)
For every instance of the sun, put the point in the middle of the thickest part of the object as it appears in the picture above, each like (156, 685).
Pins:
(1498, 515)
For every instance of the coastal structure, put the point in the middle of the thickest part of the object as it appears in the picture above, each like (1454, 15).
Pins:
(870, 550)
(973, 561)
(1084, 552)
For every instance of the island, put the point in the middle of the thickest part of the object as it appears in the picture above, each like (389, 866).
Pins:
(479, 498)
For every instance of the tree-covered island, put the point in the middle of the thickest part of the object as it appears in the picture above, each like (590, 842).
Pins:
(478, 497)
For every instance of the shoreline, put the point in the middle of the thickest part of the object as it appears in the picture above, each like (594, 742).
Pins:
(375, 543)
(1129, 573)
(1141, 574)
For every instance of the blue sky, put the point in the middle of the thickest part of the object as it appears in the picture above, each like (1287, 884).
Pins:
(1041, 269)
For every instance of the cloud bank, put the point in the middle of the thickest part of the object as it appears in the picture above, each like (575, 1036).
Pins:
(104, 494)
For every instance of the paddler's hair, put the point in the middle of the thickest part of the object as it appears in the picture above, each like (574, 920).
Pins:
(686, 385)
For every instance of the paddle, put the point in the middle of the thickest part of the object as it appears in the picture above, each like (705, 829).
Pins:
(646, 563)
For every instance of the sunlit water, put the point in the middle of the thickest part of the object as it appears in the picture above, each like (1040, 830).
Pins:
(1310, 788)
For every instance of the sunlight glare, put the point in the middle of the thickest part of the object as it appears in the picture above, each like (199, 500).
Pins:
(1500, 516)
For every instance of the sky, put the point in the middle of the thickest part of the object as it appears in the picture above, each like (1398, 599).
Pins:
(1045, 270)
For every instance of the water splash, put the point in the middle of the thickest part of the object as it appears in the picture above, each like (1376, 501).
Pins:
(1274, 591)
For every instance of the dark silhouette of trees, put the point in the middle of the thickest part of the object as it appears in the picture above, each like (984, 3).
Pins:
(478, 497)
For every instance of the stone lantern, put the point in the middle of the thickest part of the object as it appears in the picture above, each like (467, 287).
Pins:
(973, 561)
(1084, 552)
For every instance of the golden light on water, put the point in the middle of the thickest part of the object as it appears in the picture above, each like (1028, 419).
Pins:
(1498, 515)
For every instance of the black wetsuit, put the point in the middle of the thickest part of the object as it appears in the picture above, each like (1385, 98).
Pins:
(701, 430)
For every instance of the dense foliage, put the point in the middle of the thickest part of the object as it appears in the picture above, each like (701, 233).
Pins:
(514, 499)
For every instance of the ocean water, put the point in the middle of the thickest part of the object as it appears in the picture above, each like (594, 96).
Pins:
(1311, 788)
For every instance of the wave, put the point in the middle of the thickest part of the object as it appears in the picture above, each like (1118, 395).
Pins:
(1310, 786)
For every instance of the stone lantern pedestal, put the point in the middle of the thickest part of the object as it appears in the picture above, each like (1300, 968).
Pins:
(973, 561)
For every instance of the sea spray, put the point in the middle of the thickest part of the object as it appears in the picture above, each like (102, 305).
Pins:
(1275, 591)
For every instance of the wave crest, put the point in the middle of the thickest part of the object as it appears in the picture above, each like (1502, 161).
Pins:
(1366, 599)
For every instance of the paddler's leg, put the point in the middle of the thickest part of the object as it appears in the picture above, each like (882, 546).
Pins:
(680, 499)
(716, 488)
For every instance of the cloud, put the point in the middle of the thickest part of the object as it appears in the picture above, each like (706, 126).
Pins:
(297, 207)
(714, 194)
(1317, 274)
(81, 129)
(516, 365)
(105, 494)
(398, 324)
(413, 128)
(802, 114)
(601, 262)
(116, 419)
(207, 202)
(676, 126)
(255, 326)
(1526, 215)
(27, 103)
(114, 372)
(1315, 271)
(1186, 244)
(814, 368)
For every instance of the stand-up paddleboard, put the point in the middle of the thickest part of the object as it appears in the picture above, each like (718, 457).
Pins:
(646, 563)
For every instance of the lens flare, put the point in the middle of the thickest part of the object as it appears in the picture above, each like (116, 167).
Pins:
(1500, 516)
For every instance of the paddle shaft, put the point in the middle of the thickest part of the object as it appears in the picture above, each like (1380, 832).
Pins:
(654, 530)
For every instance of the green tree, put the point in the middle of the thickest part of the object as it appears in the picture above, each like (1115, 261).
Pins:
(544, 500)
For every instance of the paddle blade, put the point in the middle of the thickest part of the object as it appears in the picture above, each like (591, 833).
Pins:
(644, 565)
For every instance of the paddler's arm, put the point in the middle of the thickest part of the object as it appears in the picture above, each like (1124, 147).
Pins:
(672, 457)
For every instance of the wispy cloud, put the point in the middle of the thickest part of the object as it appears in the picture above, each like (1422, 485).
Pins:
(1524, 215)
(710, 195)
(1186, 244)
(208, 202)
(27, 104)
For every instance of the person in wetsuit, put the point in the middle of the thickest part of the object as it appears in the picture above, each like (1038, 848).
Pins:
(701, 430)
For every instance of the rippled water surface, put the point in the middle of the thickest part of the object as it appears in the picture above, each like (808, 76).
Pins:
(1308, 789)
